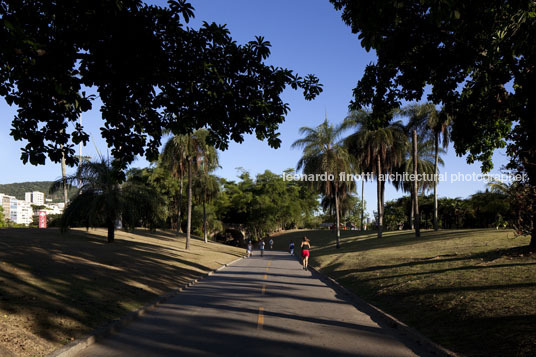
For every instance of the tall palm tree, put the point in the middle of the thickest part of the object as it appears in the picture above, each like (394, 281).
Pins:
(194, 153)
(102, 200)
(328, 202)
(429, 123)
(186, 155)
(173, 159)
(208, 163)
(362, 204)
(426, 165)
(206, 187)
(323, 152)
(377, 149)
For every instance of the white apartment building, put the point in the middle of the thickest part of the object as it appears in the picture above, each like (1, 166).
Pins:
(35, 197)
(7, 204)
(24, 213)
(17, 211)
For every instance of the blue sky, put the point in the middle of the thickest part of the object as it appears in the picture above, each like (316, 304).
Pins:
(307, 36)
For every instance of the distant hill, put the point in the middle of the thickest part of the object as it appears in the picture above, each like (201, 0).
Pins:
(18, 189)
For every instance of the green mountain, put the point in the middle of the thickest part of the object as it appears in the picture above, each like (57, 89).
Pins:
(18, 189)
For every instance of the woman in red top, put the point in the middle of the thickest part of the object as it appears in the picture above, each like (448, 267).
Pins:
(305, 246)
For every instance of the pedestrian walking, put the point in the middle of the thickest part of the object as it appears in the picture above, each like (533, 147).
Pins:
(250, 249)
(291, 248)
(271, 243)
(261, 247)
(305, 247)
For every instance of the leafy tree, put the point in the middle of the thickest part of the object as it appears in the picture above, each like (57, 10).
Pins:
(168, 188)
(324, 153)
(395, 215)
(151, 72)
(476, 57)
(378, 149)
(266, 204)
(150, 212)
(101, 200)
(352, 210)
(2, 218)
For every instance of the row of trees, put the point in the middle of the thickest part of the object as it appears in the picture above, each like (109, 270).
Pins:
(180, 192)
(481, 210)
(379, 150)
(477, 61)
(2, 218)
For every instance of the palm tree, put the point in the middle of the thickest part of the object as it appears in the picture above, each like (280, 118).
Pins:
(426, 162)
(429, 123)
(377, 149)
(101, 199)
(173, 159)
(185, 154)
(209, 184)
(207, 188)
(323, 152)
(328, 202)
(194, 152)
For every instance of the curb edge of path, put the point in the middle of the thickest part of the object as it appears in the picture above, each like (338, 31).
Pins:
(385, 319)
(72, 348)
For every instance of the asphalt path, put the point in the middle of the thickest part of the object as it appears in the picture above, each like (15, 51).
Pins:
(260, 306)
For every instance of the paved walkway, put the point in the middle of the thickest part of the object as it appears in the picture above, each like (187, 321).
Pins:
(265, 306)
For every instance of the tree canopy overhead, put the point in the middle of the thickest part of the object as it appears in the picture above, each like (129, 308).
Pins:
(151, 72)
(478, 57)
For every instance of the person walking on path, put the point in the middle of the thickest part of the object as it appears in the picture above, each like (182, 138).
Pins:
(291, 248)
(305, 247)
(261, 247)
(250, 248)
(271, 242)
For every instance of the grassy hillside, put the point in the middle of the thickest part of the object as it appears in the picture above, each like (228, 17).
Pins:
(18, 190)
(55, 288)
(472, 291)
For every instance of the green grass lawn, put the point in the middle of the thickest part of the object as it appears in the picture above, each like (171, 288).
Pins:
(472, 291)
(55, 288)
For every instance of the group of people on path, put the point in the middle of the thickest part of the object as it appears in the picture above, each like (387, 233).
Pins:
(261, 247)
(305, 249)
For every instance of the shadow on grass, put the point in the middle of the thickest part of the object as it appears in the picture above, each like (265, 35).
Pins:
(65, 285)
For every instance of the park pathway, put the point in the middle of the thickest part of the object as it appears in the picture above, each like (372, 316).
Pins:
(261, 306)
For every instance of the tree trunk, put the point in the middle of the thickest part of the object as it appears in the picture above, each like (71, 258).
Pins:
(412, 210)
(179, 209)
(383, 200)
(436, 161)
(205, 217)
(111, 230)
(64, 178)
(380, 197)
(337, 215)
(362, 204)
(532, 244)
(189, 219)
(416, 186)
